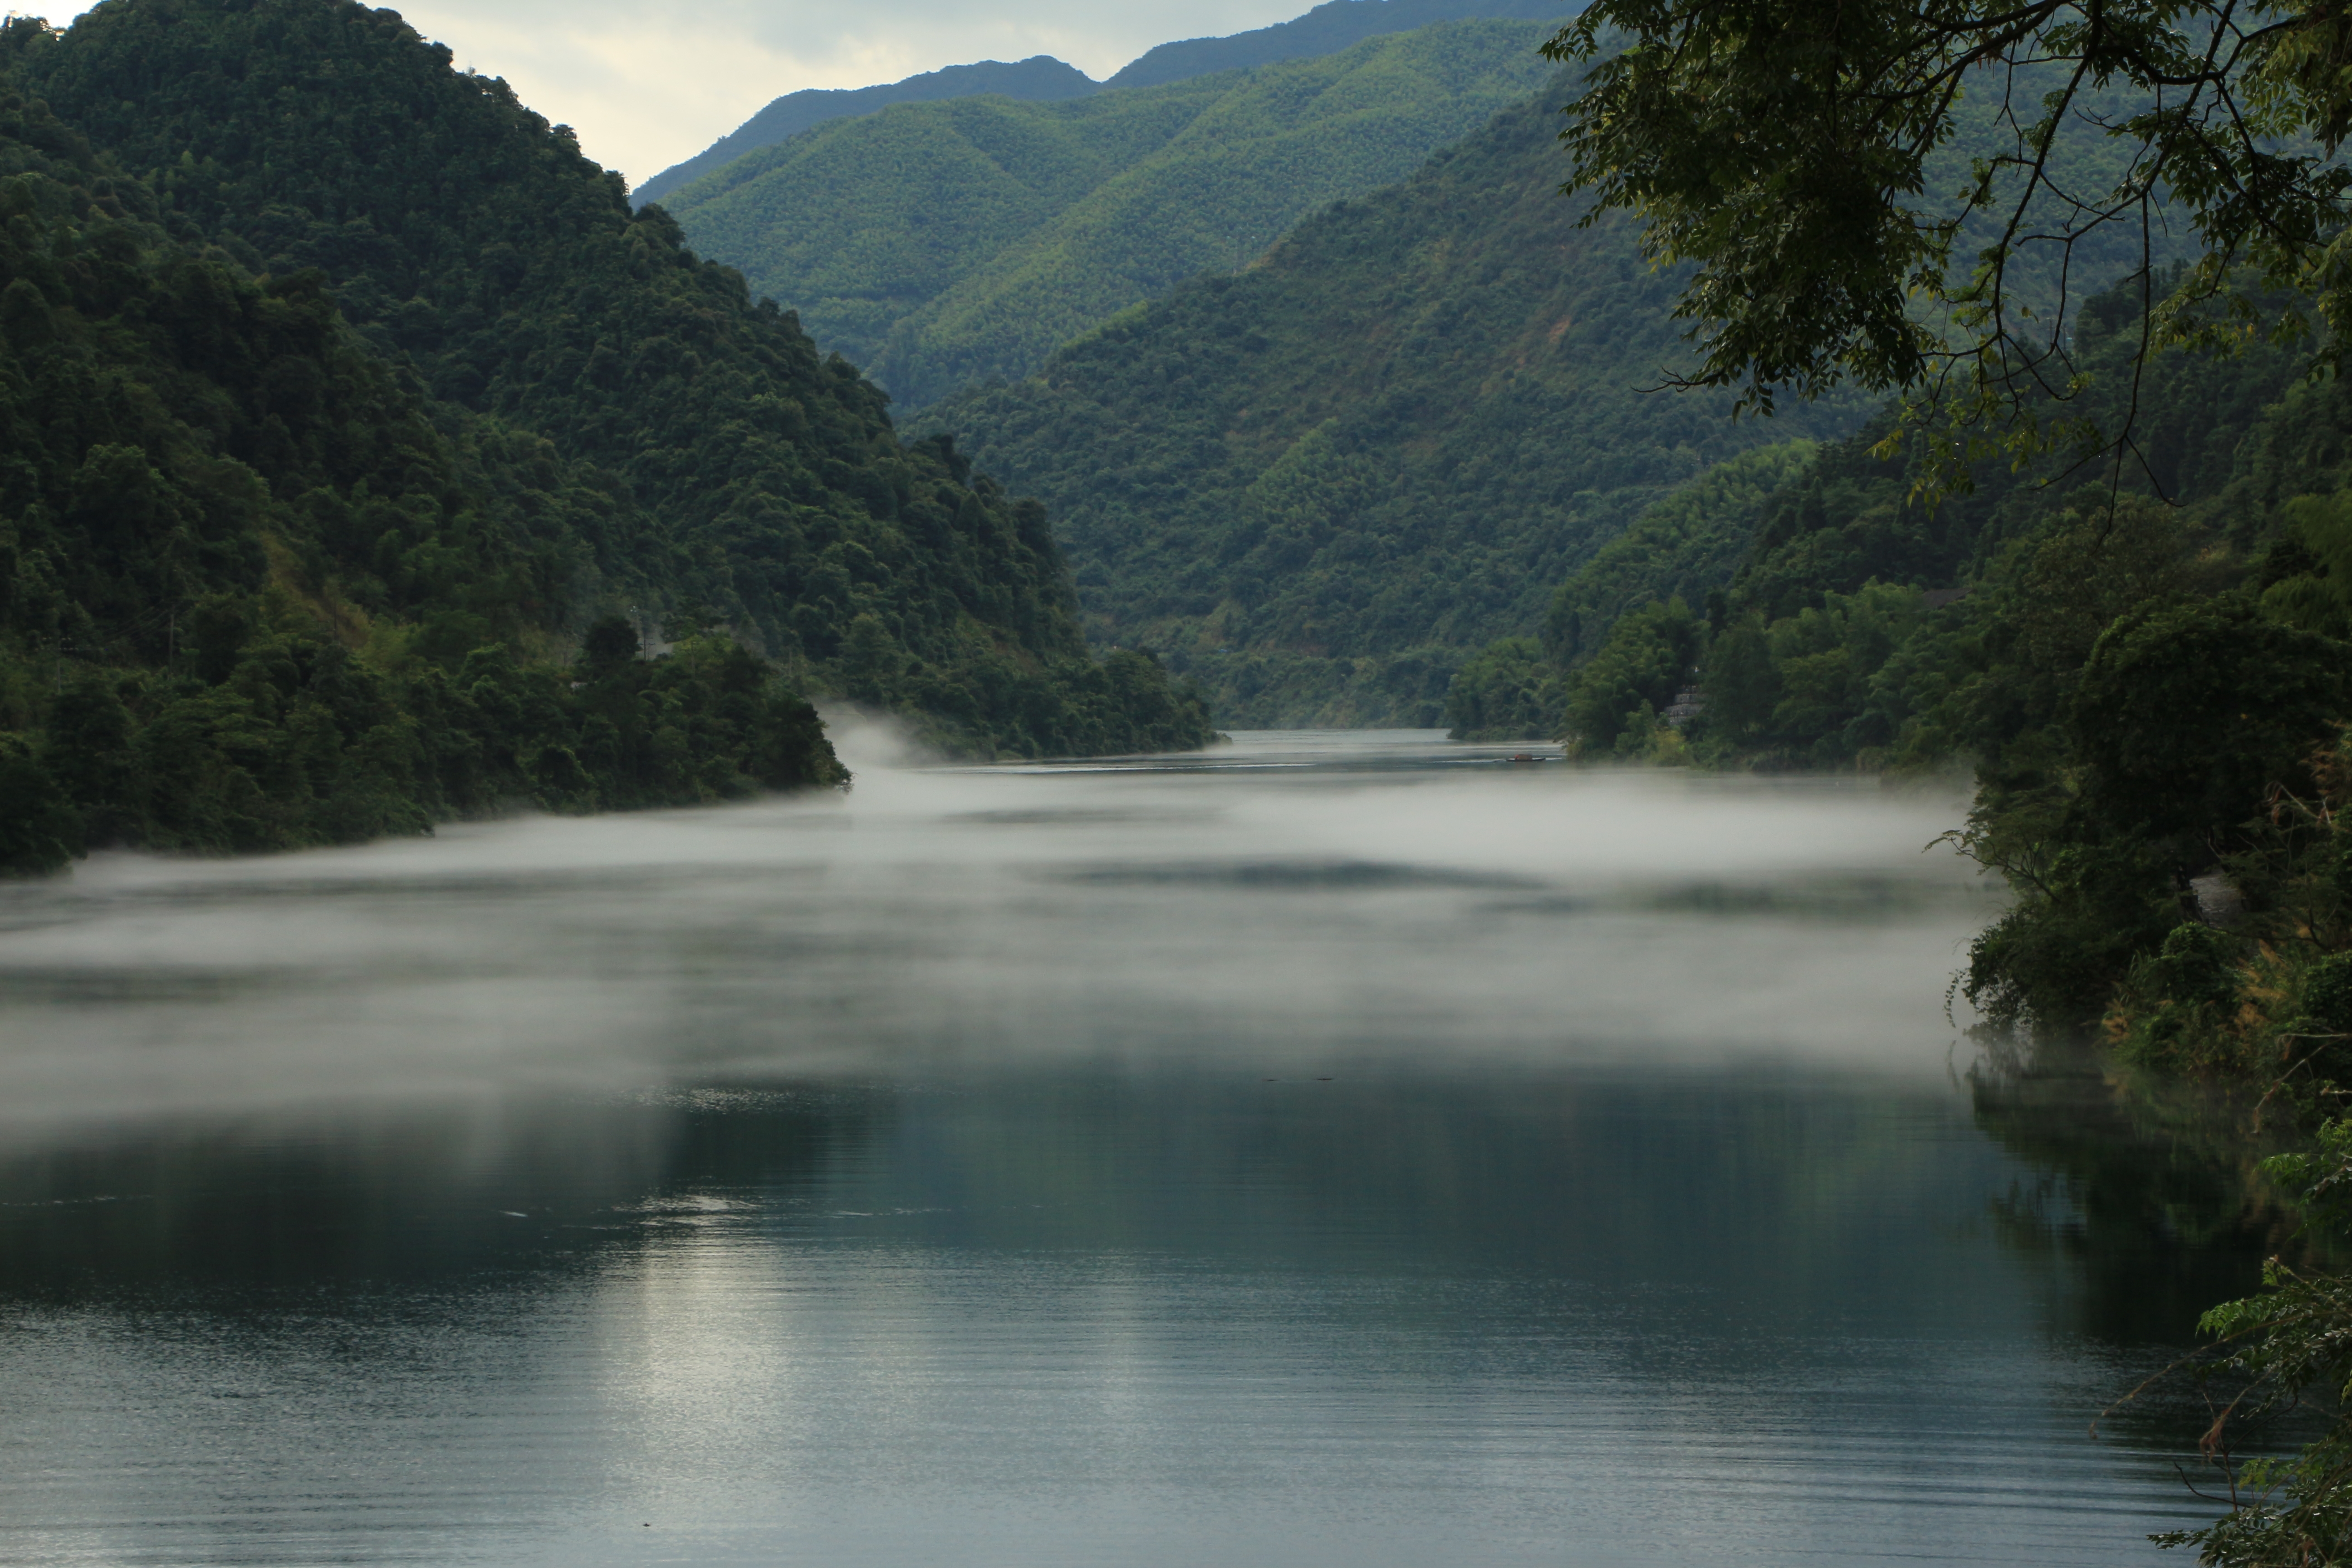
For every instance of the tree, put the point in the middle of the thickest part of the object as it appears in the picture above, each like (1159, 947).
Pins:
(1620, 692)
(2189, 709)
(1783, 149)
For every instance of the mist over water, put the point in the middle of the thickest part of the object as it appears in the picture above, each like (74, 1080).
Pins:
(1267, 905)
(1348, 1149)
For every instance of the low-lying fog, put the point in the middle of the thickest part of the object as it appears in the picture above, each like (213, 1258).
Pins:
(1287, 900)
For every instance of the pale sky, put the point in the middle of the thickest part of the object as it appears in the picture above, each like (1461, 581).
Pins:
(648, 83)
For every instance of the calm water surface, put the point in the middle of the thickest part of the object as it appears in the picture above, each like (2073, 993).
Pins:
(1348, 1149)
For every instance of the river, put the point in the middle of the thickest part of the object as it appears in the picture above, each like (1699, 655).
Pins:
(1328, 1150)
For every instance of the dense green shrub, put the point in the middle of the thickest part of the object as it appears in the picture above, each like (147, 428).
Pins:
(1507, 691)
(1614, 700)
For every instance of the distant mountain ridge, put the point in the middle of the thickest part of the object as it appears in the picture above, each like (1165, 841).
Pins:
(1334, 25)
(940, 244)
(1040, 78)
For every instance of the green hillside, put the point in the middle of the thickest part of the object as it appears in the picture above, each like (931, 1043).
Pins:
(1321, 484)
(1039, 78)
(940, 245)
(254, 594)
(1825, 557)
(713, 467)
(1684, 546)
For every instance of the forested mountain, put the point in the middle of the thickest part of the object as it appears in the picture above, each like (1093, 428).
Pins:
(1040, 79)
(1328, 28)
(254, 594)
(348, 404)
(941, 244)
(1321, 484)
(1334, 25)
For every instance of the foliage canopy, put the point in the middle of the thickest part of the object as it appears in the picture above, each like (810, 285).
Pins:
(1786, 152)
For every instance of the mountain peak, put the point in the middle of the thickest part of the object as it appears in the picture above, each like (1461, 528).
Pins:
(1328, 28)
(1040, 78)
(1331, 27)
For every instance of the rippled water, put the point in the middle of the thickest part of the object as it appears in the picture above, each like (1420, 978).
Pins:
(1336, 1150)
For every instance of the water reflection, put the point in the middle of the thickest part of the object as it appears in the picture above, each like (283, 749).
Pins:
(1331, 1152)
(2141, 1225)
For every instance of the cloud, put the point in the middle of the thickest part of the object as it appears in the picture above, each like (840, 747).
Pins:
(647, 86)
